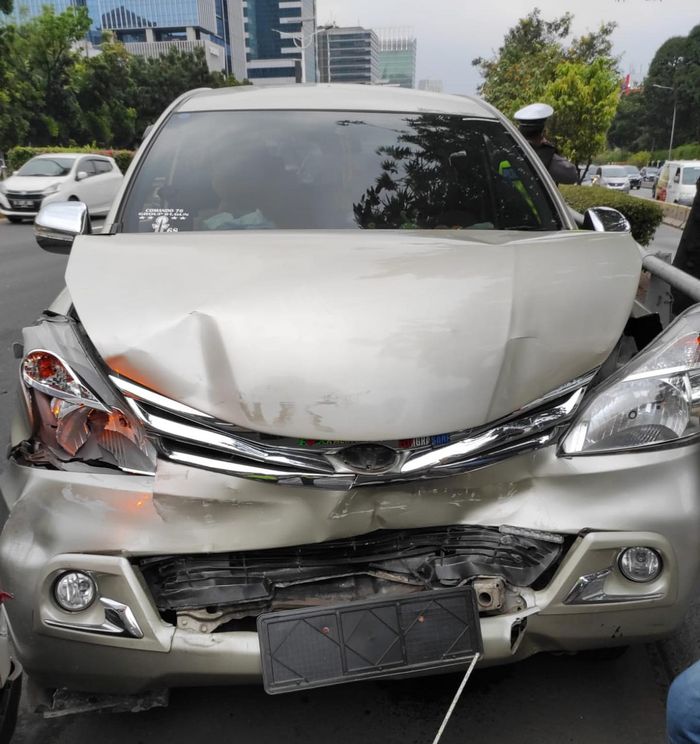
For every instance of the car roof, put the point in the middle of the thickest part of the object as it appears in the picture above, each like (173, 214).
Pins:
(72, 155)
(334, 97)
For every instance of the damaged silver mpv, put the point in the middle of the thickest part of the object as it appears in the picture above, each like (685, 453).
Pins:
(339, 392)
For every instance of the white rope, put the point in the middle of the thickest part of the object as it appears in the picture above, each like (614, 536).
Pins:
(456, 698)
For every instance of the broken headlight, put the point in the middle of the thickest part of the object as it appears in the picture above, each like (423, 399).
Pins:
(70, 424)
(653, 400)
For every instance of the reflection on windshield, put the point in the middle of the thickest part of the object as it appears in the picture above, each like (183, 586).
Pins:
(47, 167)
(309, 169)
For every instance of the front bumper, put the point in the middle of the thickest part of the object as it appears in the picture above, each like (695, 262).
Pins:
(101, 522)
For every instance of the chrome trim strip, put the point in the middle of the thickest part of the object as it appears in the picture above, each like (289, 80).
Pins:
(494, 437)
(590, 589)
(119, 621)
(239, 455)
(157, 399)
(219, 440)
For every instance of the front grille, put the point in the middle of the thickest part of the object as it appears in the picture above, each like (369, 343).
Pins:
(25, 202)
(194, 439)
(353, 568)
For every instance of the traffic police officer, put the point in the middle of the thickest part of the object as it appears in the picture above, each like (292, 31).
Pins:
(531, 122)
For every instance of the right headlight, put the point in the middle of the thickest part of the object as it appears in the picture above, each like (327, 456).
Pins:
(653, 400)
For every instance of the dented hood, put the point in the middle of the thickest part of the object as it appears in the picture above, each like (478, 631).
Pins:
(354, 335)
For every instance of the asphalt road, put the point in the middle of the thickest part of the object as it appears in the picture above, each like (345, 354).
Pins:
(547, 699)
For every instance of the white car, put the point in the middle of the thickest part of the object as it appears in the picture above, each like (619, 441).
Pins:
(91, 179)
(613, 177)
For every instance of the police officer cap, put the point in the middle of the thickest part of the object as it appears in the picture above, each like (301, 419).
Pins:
(534, 116)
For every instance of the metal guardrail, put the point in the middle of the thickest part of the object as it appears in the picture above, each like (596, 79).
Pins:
(673, 276)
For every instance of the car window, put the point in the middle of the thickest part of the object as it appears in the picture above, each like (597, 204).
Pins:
(88, 166)
(102, 166)
(47, 167)
(334, 170)
(691, 175)
(614, 171)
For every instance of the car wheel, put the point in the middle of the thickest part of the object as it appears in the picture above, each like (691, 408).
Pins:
(15, 220)
(73, 198)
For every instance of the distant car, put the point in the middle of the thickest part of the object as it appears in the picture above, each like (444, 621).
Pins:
(91, 179)
(587, 177)
(634, 176)
(613, 177)
(649, 176)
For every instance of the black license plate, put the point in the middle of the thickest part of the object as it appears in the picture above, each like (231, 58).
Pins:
(368, 639)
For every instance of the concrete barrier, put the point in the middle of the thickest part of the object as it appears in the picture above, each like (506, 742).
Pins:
(675, 215)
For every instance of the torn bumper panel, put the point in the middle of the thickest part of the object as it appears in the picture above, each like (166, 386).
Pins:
(119, 528)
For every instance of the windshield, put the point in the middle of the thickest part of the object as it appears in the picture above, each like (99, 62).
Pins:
(334, 170)
(690, 175)
(632, 170)
(47, 167)
(614, 171)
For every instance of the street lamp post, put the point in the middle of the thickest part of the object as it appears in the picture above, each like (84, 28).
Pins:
(673, 121)
(299, 41)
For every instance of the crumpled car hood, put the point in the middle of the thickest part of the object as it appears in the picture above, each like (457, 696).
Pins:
(354, 335)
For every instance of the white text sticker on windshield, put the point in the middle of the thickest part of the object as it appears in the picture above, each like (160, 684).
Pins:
(163, 219)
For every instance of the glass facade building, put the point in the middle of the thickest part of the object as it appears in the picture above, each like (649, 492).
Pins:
(348, 55)
(397, 57)
(280, 40)
(266, 41)
(151, 27)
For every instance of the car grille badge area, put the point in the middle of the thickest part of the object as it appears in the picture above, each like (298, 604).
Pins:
(188, 437)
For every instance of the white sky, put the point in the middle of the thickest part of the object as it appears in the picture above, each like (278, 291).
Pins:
(451, 33)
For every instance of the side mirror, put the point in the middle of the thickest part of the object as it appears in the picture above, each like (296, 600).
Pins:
(605, 219)
(81, 176)
(57, 225)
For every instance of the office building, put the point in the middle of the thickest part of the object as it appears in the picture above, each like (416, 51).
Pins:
(151, 27)
(280, 40)
(348, 55)
(434, 86)
(397, 56)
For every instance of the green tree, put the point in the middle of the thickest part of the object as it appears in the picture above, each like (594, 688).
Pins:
(16, 93)
(45, 57)
(5, 6)
(676, 65)
(628, 127)
(532, 51)
(584, 97)
(106, 97)
(643, 119)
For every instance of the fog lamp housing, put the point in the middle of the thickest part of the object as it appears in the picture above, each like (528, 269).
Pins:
(74, 591)
(639, 564)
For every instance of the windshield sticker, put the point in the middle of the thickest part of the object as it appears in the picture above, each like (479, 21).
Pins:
(163, 219)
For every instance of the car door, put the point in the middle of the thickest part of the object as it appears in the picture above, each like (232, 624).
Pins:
(109, 179)
(84, 187)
